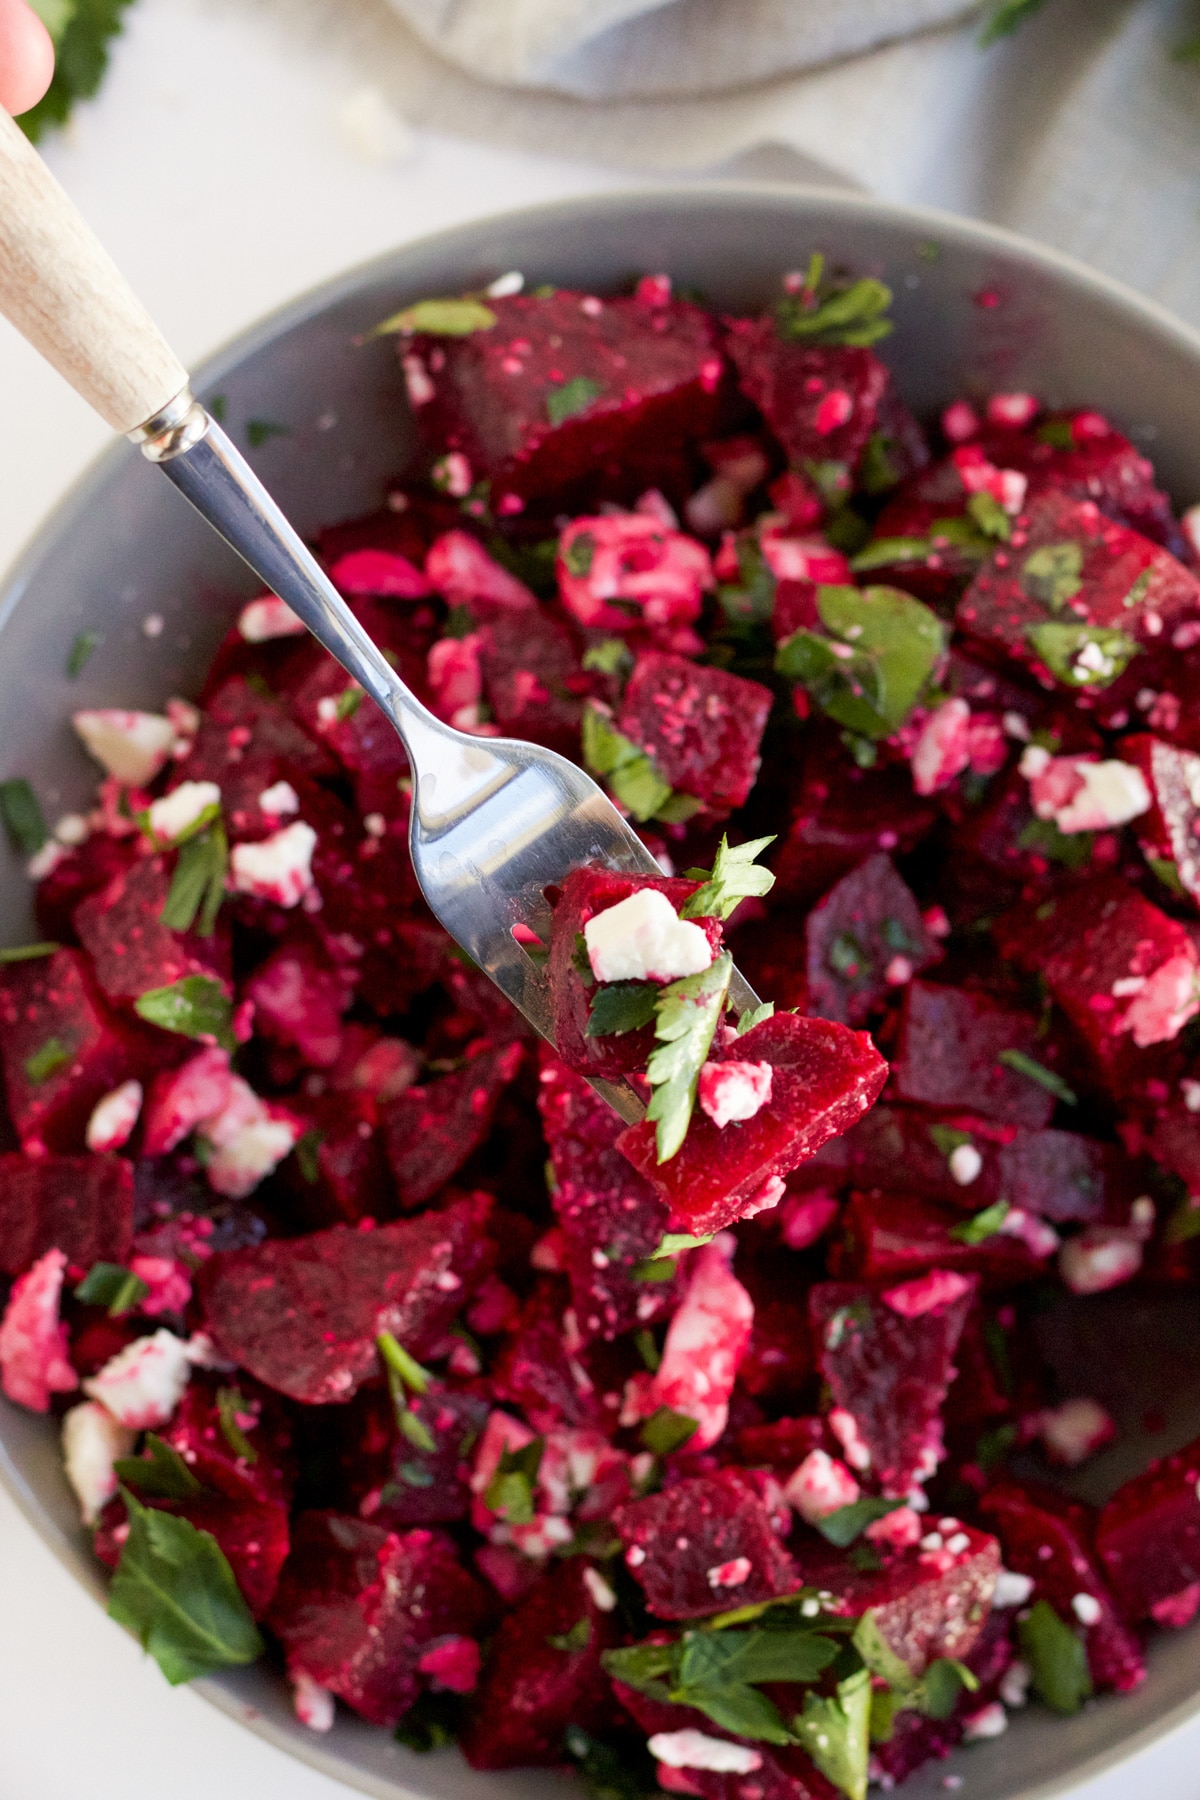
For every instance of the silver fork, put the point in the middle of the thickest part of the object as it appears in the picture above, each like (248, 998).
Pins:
(495, 821)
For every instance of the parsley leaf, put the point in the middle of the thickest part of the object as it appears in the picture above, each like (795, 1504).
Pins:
(984, 1225)
(27, 952)
(835, 312)
(666, 1431)
(22, 816)
(755, 1015)
(573, 1641)
(1070, 848)
(621, 1006)
(198, 884)
(611, 656)
(111, 1285)
(510, 1491)
(689, 1012)
(81, 58)
(836, 1733)
(196, 1006)
(1057, 1657)
(163, 1473)
(1053, 574)
(1036, 1071)
(578, 557)
(229, 1404)
(738, 1708)
(432, 1722)
(574, 396)
(848, 1522)
(630, 772)
(641, 1666)
(47, 1060)
(990, 516)
(734, 876)
(869, 671)
(175, 1591)
(716, 1658)
(440, 318)
(1083, 656)
(947, 1139)
(609, 1774)
(81, 652)
(941, 1685)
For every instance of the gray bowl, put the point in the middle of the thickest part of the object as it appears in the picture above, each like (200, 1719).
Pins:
(976, 309)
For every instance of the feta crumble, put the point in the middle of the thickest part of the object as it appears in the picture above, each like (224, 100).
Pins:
(130, 746)
(246, 1141)
(279, 800)
(142, 1385)
(820, 1485)
(278, 868)
(114, 1117)
(732, 1092)
(267, 618)
(692, 1749)
(1011, 1589)
(642, 938)
(1087, 1608)
(179, 810)
(34, 1363)
(92, 1440)
(313, 1703)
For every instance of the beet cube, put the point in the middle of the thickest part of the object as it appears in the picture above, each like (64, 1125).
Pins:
(357, 1604)
(1076, 571)
(533, 679)
(702, 727)
(842, 814)
(303, 1314)
(299, 997)
(81, 1205)
(1098, 464)
(60, 1049)
(1123, 972)
(535, 1370)
(430, 1487)
(235, 1437)
(610, 1217)
(821, 400)
(951, 1042)
(564, 388)
(585, 893)
(432, 1129)
(888, 1371)
(824, 1077)
(1170, 832)
(246, 743)
(781, 1446)
(1148, 1537)
(929, 1601)
(252, 1535)
(892, 1236)
(915, 1740)
(79, 873)
(704, 1546)
(121, 929)
(865, 938)
(778, 1359)
(543, 1673)
(1047, 1537)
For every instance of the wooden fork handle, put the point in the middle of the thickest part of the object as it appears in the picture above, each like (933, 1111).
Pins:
(63, 292)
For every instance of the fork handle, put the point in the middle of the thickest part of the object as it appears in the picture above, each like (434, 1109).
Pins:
(63, 292)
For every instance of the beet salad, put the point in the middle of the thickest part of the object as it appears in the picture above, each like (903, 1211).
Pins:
(717, 1454)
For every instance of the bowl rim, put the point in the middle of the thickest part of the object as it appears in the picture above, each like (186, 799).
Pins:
(73, 505)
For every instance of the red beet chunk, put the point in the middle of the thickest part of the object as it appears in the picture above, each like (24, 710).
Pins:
(704, 1546)
(888, 1372)
(1124, 583)
(889, 1237)
(821, 400)
(1148, 1538)
(915, 1740)
(702, 727)
(1048, 1538)
(246, 743)
(357, 1604)
(644, 380)
(429, 1487)
(840, 815)
(586, 892)
(786, 1773)
(1124, 973)
(610, 1217)
(536, 1682)
(299, 996)
(866, 938)
(1170, 832)
(1098, 464)
(235, 1437)
(252, 1535)
(303, 1314)
(60, 1049)
(535, 1371)
(347, 1177)
(928, 1602)
(79, 873)
(121, 929)
(533, 679)
(951, 1040)
(781, 1446)
(81, 1205)
(433, 1129)
(824, 1078)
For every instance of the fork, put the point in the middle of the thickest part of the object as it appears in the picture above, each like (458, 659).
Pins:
(495, 821)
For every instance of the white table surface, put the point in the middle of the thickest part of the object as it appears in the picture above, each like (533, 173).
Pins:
(215, 170)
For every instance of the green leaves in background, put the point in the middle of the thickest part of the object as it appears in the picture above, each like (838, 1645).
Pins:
(113, 1286)
(83, 31)
(198, 884)
(1082, 656)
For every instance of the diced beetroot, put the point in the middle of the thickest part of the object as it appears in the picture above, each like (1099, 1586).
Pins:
(60, 1049)
(1148, 1536)
(704, 1546)
(79, 873)
(246, 743)
(535, 1370)
(585, 893)
(1110, 578)
(1123, 972)
(891, 1236)
(824, 1078)
(303, 1314)
(840, 815)
(539, 1678)
(429, 1487)
(299, 997)
(784, 1773)
(702, 727)
(821, 401)
(1048, 1538)
(532, 679)
(782, 1445)
(705, 1344)
(432, 1129)
(866, 938)
(252, 1534)
(462, 571)
(81, 1205)
(121, 929)
(379, 572)
(235, 1437)
(357, 1605)
(929, 1601)
(346, 1177)
(503, 398)
(915, 1740)
(1098, 464)
(951, 1041)
(1170, 831)
(888, 1374)
(610, 1218)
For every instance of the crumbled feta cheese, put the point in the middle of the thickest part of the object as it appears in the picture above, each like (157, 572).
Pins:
(33, 1344)
(184, 1098)
(1075, 1430)
(114, 1117)
(692, 1749)
(844, 1427)
(313, 1703)
(1163, 1006)
(45, 861)
(928, 1293)
(988, 1722)
(1081, 793)
(453, 1663)
(1040, 1239)
(92, 1440)
(1014, 410)
(603, 1597)
(642, 938)
(131, 746)
(1011, 1589)
(177, 811)
(1087, 1608)
(278, 868)
(730, 1574)
(1100, 1257)
(142, 1385)
(942, 749)
(72, 829)
(820, 1485)
(1014, 1683)
(966, 1164)
(279, 800)
(269, 617)
(732, 1092)
(246, 1140)
(706, 1341)
(898, 1530)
